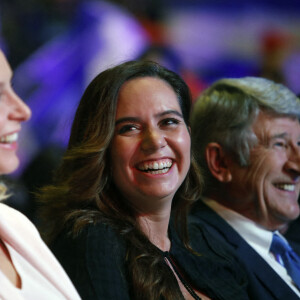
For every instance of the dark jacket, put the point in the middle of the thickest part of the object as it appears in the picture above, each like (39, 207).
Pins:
(264, 283)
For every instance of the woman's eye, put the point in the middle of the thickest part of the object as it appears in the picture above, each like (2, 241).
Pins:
(170, 121)
(127, 128)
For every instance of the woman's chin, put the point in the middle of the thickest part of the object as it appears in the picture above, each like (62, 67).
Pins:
(8, 166)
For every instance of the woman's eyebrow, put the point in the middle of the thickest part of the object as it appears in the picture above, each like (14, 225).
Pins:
(161, 114)
(169, 112)
(127, 119)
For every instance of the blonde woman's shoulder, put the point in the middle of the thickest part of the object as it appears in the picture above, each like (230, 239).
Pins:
(14, 218)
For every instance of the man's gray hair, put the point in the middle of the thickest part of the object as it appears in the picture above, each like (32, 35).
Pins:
(225, 112)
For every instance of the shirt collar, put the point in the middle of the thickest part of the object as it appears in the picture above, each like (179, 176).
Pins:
(259, 238)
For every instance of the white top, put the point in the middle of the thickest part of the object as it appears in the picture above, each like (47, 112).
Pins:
(257, 237)
(41, 275)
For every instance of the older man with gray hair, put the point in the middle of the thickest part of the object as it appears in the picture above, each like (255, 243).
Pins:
(246, 136)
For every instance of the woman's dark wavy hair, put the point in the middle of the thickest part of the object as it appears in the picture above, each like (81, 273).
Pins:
(83, 191)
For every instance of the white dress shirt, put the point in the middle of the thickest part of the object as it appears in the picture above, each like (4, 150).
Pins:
(257, 237)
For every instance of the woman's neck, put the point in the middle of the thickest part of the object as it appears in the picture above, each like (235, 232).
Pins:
(7, 267)
(155, 227)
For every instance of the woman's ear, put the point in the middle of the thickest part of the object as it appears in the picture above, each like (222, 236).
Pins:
(217, 162)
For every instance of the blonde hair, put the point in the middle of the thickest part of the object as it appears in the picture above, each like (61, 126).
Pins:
(3, 190)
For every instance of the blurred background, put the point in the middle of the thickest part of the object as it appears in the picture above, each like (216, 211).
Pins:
(56, 47)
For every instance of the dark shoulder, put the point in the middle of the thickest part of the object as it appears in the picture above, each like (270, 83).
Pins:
(199, 208)
(91, 238)
(211, 265)
(94, 259)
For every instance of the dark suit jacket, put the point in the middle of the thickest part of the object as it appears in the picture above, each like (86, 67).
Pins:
(264, 283)
(293, 235)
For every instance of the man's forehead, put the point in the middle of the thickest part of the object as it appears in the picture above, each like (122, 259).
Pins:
(273, 126)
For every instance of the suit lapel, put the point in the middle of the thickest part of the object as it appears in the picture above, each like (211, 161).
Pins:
(253, 262)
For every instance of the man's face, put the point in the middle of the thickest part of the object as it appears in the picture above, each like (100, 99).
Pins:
(268, 189)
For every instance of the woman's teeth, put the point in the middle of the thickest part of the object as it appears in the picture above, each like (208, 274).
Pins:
(10, 138)
(158, 171)
(156, 167)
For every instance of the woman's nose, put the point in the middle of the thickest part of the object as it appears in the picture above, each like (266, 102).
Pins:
(153, 139)
(19, 110)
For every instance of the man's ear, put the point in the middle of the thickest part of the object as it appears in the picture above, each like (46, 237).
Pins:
(217, 162)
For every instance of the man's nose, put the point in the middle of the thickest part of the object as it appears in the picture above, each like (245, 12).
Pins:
(293, 163)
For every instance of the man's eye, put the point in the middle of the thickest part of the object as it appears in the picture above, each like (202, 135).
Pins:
(127, 128)
(280, 144)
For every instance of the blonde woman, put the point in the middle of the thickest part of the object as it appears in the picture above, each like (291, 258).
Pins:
(28, 270)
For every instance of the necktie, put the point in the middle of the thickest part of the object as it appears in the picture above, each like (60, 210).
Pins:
(290, 259)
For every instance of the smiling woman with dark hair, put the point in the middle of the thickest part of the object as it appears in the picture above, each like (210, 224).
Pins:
(127, 167)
